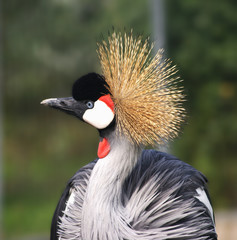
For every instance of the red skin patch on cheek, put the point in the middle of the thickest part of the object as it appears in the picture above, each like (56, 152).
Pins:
(108, 101)
(104, 148)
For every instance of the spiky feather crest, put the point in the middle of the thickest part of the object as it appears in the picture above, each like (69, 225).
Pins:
(148, 100)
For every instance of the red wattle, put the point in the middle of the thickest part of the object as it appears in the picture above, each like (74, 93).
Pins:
(104, 148)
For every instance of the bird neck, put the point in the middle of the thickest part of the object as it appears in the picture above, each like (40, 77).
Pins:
(112, 169)
(105, 187)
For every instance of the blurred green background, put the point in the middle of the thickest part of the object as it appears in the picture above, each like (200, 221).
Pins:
(47, 44)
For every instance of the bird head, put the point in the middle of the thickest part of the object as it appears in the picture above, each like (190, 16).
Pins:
(138, 94)
(90, 102)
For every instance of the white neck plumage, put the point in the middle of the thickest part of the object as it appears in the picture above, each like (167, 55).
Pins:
(104, 189)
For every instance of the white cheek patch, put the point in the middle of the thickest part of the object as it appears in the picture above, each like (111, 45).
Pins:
(100, 116)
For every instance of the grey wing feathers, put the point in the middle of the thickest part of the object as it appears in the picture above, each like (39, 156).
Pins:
(67, 221)
(160, 197)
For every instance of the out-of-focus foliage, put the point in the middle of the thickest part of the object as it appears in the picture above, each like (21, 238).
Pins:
(202, 39)
(47, 44)
(50, 41)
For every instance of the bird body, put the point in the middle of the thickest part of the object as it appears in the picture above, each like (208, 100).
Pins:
(129, 193)
(158, 199)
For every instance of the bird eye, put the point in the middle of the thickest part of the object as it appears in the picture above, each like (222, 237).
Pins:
(90, 104)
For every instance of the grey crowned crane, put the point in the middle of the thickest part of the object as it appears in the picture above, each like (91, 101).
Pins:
(129, 193)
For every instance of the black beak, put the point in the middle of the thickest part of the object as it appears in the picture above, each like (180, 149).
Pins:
(68, 105)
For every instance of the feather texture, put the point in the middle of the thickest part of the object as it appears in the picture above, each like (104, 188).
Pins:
(148, 100)
(159, 201)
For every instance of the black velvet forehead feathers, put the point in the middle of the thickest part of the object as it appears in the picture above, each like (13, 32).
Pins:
(89, 87)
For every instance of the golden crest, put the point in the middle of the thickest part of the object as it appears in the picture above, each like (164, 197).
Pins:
(145, 91)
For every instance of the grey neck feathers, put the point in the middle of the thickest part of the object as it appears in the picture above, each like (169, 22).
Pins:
(102, 208)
